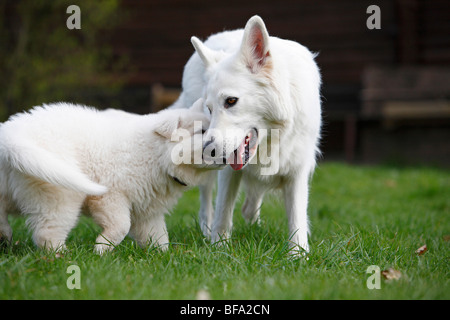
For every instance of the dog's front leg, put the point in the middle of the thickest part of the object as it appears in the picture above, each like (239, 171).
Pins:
(296, 203)
(206, 204)
(228, 187)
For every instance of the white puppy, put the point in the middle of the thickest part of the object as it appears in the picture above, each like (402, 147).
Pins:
(263, 94)
(59, 157)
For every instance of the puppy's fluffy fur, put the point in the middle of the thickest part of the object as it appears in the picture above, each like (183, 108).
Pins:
(59, 157)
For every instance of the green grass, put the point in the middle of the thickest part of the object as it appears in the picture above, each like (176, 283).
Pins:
(360, 216)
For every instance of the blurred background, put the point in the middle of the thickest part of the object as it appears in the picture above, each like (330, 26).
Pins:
(386, 92)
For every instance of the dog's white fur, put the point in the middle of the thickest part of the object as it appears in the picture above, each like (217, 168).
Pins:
(278, 85)
(60, 157)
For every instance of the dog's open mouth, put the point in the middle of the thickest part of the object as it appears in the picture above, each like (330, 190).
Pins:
(245, 152)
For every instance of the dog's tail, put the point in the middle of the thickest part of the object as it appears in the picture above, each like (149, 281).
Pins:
(42, 164)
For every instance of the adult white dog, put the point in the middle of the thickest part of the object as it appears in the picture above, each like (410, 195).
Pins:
(264, 95)
(59, 157)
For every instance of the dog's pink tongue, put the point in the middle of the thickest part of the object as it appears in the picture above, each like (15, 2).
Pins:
(236, 158)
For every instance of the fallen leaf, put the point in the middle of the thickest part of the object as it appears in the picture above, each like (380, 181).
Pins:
(47, 259)
(390, 183)
(421, 250)
(446, 237)
(391, 274)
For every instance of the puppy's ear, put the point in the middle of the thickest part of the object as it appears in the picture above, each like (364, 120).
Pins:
(167, 127)
(206, 54)
(255, 45)
(197, 106)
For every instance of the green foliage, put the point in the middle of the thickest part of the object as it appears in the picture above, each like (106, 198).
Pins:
(42, 61)
(360, 216)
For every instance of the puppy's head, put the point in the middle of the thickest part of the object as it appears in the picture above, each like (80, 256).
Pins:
(182, 132)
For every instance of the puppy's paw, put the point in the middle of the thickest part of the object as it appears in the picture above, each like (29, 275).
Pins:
(102, 248)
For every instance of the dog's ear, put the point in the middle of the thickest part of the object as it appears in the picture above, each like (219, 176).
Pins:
(255, 45)
(167, 127)
(197, 106)
(206, 54)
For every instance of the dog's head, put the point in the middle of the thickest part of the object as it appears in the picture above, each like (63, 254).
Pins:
(240, 95)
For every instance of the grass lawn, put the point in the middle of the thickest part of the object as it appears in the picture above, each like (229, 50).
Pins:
(360, 216)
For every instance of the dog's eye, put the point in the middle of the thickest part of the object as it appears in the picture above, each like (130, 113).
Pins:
(230, 101)
(203, 131)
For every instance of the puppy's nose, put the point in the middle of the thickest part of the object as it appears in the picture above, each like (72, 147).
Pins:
(210, 154)
(213, 151)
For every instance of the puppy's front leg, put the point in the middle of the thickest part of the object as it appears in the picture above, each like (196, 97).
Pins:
(5, 228)
(150, 230)
(228, 187)
(296, 203)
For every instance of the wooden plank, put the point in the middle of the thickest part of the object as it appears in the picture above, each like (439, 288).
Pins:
(421, 109)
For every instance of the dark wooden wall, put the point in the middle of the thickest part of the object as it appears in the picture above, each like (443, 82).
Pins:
(155, 36)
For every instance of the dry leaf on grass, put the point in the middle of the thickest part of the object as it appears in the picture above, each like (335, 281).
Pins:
(421, 250)
(58, 255)
(391, 274)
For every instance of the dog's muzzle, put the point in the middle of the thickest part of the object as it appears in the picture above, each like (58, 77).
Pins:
(237, 159)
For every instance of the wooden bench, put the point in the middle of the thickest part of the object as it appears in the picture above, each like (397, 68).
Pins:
(405, 115)
(406, 94)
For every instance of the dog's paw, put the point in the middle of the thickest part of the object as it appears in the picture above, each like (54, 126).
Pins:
(297, 251)
(206, 230)
(220, 239)
(205, 217)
